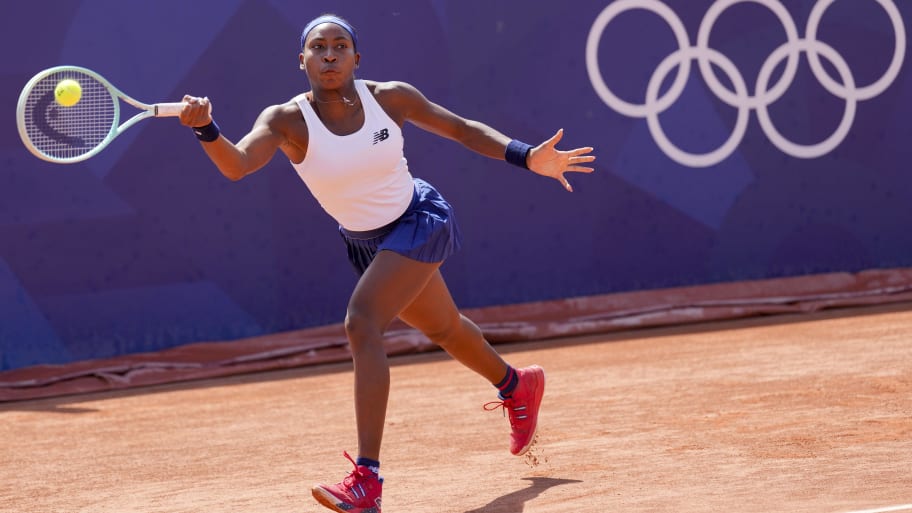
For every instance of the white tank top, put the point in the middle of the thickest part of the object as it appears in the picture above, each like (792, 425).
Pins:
(361, 179)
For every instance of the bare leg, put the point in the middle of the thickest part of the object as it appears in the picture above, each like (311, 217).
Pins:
(434, 313)
(390, 284)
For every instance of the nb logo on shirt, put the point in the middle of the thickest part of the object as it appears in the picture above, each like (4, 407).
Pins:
(382, 135)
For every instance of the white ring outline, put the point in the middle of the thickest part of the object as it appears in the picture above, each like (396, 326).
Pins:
(652, 91)
(878, 86)
(791, 67)
(822, 148)
(595, 73)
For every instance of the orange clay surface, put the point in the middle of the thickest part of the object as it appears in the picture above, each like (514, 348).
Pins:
(804, 413)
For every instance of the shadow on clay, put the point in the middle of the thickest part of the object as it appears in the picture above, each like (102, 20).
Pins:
(515, 502)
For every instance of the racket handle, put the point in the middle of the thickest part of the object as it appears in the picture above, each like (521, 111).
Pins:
(168, 109)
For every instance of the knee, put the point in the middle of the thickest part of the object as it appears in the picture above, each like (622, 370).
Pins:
(445, 331)
(360, 328)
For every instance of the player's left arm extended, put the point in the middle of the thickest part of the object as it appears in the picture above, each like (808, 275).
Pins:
(427, 115)
(544, 159)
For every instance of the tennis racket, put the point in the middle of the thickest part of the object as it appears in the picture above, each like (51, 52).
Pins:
(65, 135)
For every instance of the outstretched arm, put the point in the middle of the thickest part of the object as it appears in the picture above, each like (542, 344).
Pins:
(544, 159)
(251, 153)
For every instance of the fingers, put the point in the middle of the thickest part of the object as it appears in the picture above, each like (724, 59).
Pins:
(552, 142)
(554, 163)
(573, 161)
(580, 151)
(196, 112)
(579, 160)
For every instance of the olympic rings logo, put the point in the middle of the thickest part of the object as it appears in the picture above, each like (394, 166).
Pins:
(764, 93)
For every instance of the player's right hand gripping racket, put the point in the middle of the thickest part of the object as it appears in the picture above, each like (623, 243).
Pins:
(66, 135)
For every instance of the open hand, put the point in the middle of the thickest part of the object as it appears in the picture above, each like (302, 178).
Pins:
(547, 160)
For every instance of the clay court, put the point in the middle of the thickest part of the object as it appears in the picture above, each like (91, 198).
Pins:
(723, 308)
(796, 413)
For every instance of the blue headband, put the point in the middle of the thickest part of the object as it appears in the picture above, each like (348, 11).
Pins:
(329, 19)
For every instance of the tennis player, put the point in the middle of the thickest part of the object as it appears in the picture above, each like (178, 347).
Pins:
(344, 139)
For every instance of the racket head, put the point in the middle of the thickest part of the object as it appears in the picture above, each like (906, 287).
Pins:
(61, 134)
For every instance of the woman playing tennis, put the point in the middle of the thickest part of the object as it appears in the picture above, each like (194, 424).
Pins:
(344, 139)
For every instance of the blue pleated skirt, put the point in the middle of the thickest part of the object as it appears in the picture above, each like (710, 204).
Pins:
(426, 232)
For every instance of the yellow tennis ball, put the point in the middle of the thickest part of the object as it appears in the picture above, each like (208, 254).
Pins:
(68, 92)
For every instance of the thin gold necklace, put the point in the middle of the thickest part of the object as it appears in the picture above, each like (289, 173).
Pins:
(344, 100)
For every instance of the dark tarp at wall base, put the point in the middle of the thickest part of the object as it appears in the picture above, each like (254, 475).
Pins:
(590, 315)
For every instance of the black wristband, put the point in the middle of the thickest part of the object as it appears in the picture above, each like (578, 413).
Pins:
(517, 152)
(207, 133)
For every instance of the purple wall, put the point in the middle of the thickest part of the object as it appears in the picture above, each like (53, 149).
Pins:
(146, 246)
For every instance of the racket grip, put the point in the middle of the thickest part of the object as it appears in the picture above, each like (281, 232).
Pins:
(168, 109)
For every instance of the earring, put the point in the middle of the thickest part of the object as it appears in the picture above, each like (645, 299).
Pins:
(302, 66)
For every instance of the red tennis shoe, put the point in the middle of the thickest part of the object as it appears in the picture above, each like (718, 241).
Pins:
(522, 408)
(360, 492)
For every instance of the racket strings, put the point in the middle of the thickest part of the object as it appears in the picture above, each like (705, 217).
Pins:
(68, 132)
